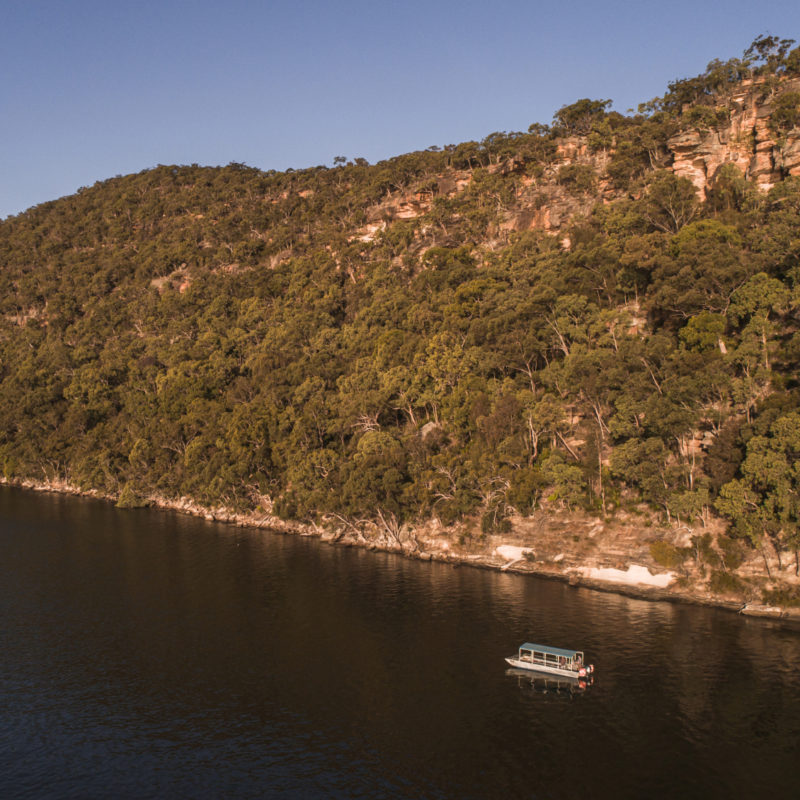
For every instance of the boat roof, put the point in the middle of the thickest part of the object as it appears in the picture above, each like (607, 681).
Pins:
(553, 651)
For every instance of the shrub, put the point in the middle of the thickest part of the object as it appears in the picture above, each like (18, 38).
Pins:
(130, 498)
(705, 550)
(704, 118)
(733, 552)
(285, 506)
(577, 179)
(667, 555)
(725, 583)
(525, 489)
(782, 597)
(494, 522)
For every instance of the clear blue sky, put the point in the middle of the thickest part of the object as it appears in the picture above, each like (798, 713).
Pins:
(97, 88)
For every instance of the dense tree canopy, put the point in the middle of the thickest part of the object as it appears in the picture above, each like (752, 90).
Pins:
(245, 337)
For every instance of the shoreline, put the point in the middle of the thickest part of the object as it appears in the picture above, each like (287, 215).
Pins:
(785, 616)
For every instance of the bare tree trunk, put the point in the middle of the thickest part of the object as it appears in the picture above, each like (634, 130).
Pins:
(600, 472)
(568, 448)
(766, 563)
(390, 525)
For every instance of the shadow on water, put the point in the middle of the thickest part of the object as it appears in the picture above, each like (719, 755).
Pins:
(160, 655)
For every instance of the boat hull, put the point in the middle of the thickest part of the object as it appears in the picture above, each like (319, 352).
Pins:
(528, 666)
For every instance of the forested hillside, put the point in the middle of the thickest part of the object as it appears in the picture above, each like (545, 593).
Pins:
(540, 320)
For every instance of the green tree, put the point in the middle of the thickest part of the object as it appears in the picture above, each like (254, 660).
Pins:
(764, 504)
(670, 202)
(578, 117)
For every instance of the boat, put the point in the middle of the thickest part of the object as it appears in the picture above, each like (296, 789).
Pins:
(552, 660)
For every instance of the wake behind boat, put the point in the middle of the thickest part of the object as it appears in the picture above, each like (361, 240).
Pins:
(553, 660)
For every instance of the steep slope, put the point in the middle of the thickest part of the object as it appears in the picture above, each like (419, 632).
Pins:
(599, 318)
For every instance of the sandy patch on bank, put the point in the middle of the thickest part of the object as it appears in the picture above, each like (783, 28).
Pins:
(634, 575)
(511, 553)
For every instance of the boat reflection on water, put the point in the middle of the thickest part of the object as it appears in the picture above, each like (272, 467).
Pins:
(555, 685)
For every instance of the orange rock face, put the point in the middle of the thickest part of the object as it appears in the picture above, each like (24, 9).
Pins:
(745, 141)
(543, 200)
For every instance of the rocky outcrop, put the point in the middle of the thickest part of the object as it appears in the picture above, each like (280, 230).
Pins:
(416, 201)
(747, 141)
(551, 196)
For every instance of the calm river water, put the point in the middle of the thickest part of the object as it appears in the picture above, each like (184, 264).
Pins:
(144, 654)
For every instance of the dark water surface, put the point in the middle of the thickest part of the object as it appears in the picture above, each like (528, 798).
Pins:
(144, 654)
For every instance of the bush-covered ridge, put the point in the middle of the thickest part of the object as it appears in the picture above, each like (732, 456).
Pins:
(376, 342)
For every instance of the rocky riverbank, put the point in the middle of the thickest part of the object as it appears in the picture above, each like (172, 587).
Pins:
(612, 556)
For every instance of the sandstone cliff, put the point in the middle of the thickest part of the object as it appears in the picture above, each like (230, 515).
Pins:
(747, 140)
(739, 130)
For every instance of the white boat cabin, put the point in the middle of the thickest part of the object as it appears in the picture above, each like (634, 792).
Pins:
(550, 659)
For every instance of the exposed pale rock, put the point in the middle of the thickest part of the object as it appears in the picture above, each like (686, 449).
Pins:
(512, 552)
(368, 231)
(635, 575)
(430, 429)
(758, 610)
(543, 204)
(745, 141)
(690, 153)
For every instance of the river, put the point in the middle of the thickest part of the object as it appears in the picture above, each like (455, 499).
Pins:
(144, 654)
